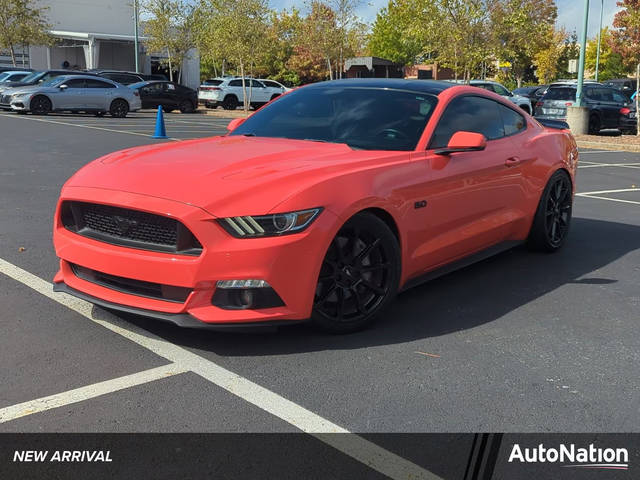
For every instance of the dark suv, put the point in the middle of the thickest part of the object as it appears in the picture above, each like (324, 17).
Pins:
(608, 107)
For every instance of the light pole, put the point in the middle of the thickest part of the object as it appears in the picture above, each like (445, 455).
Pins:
(135, 32)
(599, 40)
(583, 48)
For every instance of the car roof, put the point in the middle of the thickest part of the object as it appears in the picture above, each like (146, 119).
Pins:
(86, 76)
(425, 86)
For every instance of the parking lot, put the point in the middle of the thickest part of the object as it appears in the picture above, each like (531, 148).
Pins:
(522, 342)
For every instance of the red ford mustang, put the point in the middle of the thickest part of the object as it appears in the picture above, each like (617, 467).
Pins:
(322, 205)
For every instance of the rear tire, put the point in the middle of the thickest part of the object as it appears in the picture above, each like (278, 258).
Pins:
(359, 277)
(119, 108)
(230, 102)
(40, 105)
(553, 216)
(187, 107)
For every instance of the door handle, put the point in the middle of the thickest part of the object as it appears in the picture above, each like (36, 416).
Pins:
(513, 161)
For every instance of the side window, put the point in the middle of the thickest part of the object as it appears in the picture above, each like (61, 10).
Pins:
(500, 90)
(256, 84)
(513, 121)
(235, 83)
(271, 84)
(606, 95)
(619, 98)
(469, 114)
(98, 84)
(75, 83)
(484, 86)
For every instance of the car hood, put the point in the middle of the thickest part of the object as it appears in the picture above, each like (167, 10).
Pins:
(230, 175)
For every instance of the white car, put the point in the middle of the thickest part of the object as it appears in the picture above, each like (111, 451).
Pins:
(228, 92)
(523, 102)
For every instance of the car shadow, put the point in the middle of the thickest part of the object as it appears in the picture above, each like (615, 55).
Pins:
(461, 300)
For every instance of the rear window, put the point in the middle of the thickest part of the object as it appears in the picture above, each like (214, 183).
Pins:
(213, 82)
(561, 93)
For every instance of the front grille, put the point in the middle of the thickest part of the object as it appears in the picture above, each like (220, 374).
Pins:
(130, 228)
(5, 99)
(158, 291)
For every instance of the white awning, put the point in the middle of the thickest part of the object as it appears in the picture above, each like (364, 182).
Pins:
(94, 36)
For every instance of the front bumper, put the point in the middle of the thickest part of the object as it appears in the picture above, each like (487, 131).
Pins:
(290, 264)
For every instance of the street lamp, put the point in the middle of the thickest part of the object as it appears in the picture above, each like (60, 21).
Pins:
(583, 47)
(599, 39)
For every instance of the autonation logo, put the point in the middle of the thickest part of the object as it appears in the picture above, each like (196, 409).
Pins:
(574, 457)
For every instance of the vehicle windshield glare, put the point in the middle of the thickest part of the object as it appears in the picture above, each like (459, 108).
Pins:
(52, 82)
(361, 117)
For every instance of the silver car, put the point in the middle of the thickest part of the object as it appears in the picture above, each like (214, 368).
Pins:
(523, 102)
(74, 93)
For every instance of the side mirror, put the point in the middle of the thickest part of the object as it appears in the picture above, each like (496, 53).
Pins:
(235, 123)
(64, 86)
(464, 142)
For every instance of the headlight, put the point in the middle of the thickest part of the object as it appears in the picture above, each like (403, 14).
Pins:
(269, 225)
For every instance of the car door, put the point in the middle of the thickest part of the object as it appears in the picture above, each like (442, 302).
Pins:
(70, 95)
(171, 95)
(99, 94)
(235, 88)
(259, 94)
(474, 199)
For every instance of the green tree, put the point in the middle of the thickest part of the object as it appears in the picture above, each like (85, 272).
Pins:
(233, 31)
(280, 41)
(170, 30)
(611, 64)
(547, 60)
(570, 51)
(390, 36)
(520, 30)
(22, 23)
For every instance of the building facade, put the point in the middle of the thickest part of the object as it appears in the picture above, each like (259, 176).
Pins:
(97, 34)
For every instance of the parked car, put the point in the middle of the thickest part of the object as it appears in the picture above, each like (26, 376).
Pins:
(127, 78)
(34, 79)
(9, 69)
(13, 75)
(74, 93)
(229, 92)
(521, 101)
(533, 93)
(608, 107)
(170, 95)
(624, 84)
(321, 205)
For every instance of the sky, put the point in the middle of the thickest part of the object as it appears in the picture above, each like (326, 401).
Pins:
(569, 12)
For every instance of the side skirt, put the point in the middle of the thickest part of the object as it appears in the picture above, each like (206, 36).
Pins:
(461, 263)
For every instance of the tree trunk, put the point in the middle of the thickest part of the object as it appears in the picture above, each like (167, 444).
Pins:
(245, 106)
(170, 68)
(13, 55)
(330, 69)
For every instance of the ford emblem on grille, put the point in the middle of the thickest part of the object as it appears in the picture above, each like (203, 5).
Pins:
(124, 224)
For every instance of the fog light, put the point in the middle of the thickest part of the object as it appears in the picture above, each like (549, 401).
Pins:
(245, 294)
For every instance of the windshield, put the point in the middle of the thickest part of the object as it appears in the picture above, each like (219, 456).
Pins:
(361, 117)
(4, 75)
(33, 76)
(561, 93)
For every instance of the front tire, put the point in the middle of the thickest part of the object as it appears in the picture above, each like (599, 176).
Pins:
(553, 216)
(40, 105)
(187, 107)
(119, 108)
(230, 102)
(594, 124)
(359, 277)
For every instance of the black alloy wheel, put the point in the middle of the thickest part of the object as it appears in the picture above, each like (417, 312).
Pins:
(551, 224)
(186, 107)
(119, 108)
(40, 105)
(230, 102)
(359, 275)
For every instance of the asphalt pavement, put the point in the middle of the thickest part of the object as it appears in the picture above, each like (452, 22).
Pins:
(521, 342)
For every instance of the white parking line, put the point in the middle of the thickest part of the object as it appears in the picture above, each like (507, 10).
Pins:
(602, 151)
(607, 198)
(618, 190)
(85, 393)
(597, 195)
(364, 451)
(21, 117)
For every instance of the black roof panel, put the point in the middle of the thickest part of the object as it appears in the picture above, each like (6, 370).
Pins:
(425, 86)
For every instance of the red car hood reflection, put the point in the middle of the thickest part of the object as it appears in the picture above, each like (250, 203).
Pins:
(250, 173)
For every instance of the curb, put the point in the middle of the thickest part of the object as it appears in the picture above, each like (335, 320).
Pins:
(609, 146)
